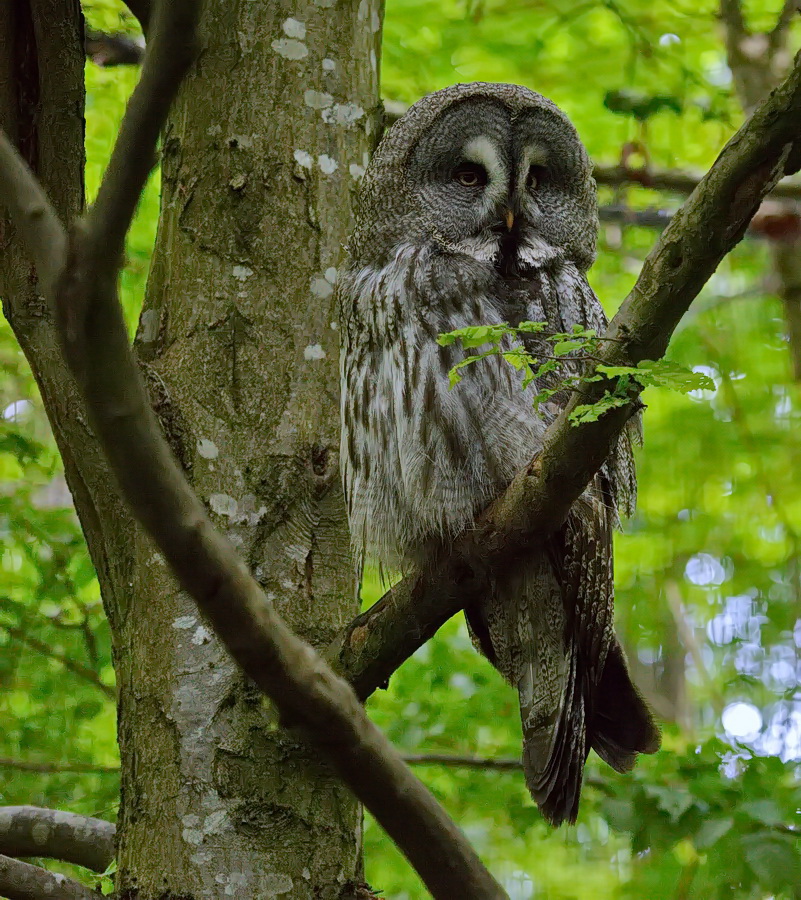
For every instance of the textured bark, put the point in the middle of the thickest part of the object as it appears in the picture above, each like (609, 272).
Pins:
(261, 163)
(240, 353)
(50, 833)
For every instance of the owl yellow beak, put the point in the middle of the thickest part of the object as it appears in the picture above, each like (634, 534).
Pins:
(510, 219)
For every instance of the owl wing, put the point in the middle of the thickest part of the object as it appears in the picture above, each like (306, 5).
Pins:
(548, 626)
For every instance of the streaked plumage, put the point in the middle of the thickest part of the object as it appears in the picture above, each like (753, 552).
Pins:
(433, 252)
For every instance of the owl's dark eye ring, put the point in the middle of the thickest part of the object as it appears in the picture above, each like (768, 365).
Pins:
(537, 176)
(470, 175)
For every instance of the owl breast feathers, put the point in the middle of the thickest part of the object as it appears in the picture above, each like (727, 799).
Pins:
(479, 208)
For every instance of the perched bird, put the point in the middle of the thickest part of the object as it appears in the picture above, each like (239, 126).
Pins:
(479, 207)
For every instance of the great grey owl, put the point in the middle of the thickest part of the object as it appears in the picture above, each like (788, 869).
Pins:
(479, 207)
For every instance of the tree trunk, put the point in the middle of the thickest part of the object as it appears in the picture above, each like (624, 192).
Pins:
(239, 345)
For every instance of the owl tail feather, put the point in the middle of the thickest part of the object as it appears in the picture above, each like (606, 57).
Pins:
(622, 725)
(610, 717)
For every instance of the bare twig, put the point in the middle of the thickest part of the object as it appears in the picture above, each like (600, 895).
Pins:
(711, 222)
(778, 34)
(22, 881)
(463, 762)
(46, 768)
(108, 50)
(673, 596)
(75, 667)
(143, 11)
(731, 13)
(307, 693)
(54, 834)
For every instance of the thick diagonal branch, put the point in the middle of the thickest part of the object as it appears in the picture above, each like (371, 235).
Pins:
(304, 689)
(54, 834)
(22, 881)
(710, 223)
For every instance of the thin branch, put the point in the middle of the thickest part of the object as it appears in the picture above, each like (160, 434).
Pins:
(75, 667)
(46, 768)
(55, 834)
(711, 222)
(305, 690)
(108, 50)
(143, 11)
(451, 761)
(673, 596)
(778, 34)
(731, 13)
(463, 762)
(22, 881)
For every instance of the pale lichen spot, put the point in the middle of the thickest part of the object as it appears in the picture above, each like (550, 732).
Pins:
(40, 832)
(343, 114)
(306, 873)
(364, 8)
(304, 159)
(289, 48)
(330, 275)
(314, 351)
(191, 833)
(317, 99)
(149, 325)
(373, 61)
(207, 449)
(223, 504)
(242, 273)
(356, 171)
(184, 622)
(335, 326)
(213, 130)
(275, 883)
(201, 636)
(216, 823)
(321, 288)
(329, 65)
(375, 21)
(327, 165)
(294, 29)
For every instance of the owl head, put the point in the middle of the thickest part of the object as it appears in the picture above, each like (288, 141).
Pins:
(493, 171)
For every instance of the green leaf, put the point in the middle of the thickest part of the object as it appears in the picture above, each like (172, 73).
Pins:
(475, 335)
(563, 347)
(711, 831)
(591, 412)
(674, 800)
(665, 373)
(764, 811)
(531, 327)
(773, 858)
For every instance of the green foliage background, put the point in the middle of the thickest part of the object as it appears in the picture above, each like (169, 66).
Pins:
(707, 572)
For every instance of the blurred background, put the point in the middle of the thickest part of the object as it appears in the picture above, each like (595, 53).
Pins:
(708, 581)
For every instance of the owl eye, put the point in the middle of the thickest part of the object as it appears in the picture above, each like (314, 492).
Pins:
(536, 176)
(470, 175)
